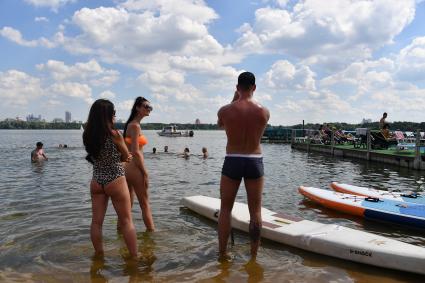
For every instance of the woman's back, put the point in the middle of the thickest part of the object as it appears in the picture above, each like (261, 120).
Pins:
(107, 165)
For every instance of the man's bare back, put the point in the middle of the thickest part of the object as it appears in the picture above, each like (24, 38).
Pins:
(244, 122)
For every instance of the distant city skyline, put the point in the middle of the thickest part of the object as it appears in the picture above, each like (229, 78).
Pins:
(339, 62)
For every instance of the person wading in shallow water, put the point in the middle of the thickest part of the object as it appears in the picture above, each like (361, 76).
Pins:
(135, 171)
(106, 150)
(38, 153)
(244, 121)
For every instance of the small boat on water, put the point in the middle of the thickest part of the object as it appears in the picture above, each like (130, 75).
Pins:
(171, 131)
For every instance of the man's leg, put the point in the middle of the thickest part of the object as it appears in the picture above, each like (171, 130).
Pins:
(228, 190)
(254, 190)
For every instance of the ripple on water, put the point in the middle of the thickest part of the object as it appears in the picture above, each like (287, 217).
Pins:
(45, 212)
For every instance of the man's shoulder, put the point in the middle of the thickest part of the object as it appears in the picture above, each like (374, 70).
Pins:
(225, 108)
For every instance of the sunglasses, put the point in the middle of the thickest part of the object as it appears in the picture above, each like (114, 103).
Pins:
(113, 113)
(147, 107)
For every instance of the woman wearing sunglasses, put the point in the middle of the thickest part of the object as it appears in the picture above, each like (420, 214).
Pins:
(106, 150)
(135, 171)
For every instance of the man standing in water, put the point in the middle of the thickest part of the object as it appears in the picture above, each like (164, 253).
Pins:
(38, 154)
(244, 121)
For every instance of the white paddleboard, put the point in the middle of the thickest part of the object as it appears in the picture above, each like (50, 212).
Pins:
(328, 239)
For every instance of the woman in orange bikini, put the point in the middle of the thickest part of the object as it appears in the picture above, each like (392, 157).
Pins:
(135, 171)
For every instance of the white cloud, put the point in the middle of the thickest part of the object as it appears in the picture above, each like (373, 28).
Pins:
(71, 89)
(52, 4)
(125, 105)
(283, 75)
(170, 83)
(16, 36)
(411, 61)
(340, 32)
(18, 88)
(41, 19)
(91, 72)
(107, 94)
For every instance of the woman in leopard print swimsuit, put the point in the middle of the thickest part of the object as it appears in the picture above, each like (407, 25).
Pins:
(106, 150)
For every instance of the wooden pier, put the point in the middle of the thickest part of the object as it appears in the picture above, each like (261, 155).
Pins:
(301, 139)
(411, 159)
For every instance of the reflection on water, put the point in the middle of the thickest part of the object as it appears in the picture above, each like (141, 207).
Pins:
(45, 215)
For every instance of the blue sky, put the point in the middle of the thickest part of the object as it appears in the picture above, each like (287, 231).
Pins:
(343, 61)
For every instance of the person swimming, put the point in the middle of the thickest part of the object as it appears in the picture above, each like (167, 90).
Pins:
(204, 152)
(166, 148)
(186, 153)
(135, 171)
(154, 150)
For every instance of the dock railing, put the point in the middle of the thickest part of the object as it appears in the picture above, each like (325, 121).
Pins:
(363, 141)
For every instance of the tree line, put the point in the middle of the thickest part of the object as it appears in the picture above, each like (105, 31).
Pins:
(402, 126)
(75, 126)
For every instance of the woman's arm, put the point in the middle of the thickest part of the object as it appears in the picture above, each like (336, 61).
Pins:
(134, 131)
(118, 140)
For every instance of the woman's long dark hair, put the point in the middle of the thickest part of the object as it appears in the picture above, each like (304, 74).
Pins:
(137, 103)
(98, 127)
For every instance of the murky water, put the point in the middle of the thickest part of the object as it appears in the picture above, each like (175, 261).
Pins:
(45, 215)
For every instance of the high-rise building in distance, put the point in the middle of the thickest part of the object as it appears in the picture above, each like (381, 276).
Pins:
(67, 117)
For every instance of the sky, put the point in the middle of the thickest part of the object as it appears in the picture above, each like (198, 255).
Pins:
(314, 60)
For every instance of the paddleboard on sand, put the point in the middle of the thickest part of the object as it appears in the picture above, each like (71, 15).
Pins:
(363, 191)
(403, 213)
(327, 239)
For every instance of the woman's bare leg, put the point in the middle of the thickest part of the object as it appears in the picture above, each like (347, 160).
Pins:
(143, 197)
(120, 196)
(136, 180)
(99, 204)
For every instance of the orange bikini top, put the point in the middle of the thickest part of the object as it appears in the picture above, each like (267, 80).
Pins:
(142, 140)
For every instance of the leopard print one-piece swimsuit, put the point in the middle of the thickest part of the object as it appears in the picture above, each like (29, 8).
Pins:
(107, 166)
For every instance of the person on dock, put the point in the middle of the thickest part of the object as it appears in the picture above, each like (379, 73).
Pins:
(106, 150)
(135, 171)
(244, 121)
(38, 153)
(382, 122)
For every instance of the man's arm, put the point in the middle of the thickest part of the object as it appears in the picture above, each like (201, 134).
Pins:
(33, 156)
(220, 118)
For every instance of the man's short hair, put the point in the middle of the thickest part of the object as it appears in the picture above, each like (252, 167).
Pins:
(246, 80)
(385, 114)
(39, 144)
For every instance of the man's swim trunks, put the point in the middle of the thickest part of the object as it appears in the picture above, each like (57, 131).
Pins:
(238, 166)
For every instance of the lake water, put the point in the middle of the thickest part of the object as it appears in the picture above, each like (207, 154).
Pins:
(45, 215)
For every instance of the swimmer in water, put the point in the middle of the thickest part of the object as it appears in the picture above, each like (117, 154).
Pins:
(38, 153)
(204, 152)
